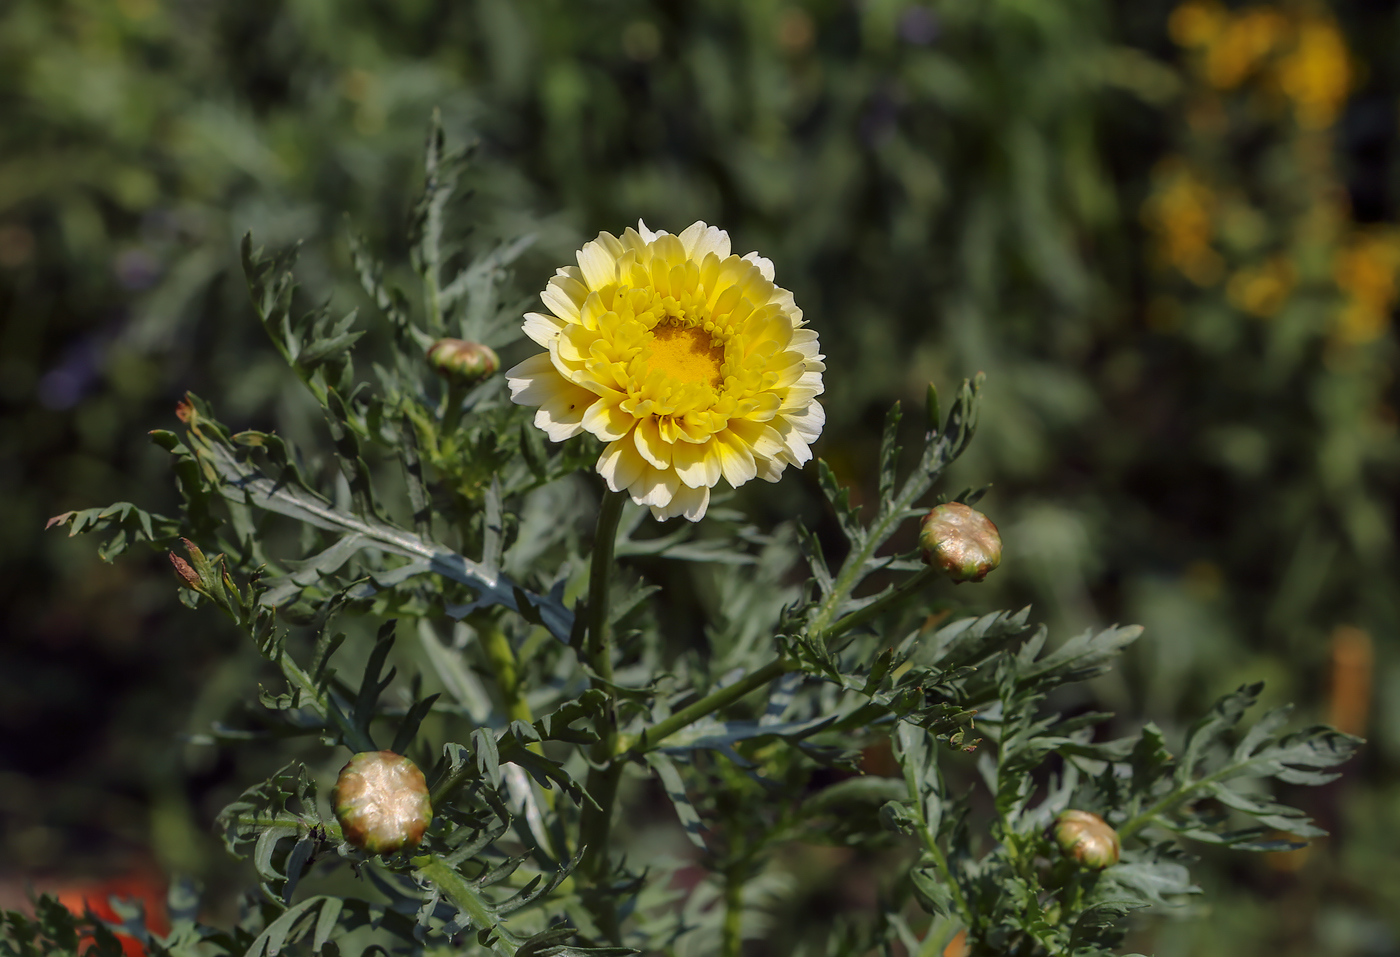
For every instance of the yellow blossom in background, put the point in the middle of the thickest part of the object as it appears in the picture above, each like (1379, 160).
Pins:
(1262, 290)
(687, 360)
(1242, 46)
(1197, 22)
(1365, 270)
(1181, 214)
(1317, 74)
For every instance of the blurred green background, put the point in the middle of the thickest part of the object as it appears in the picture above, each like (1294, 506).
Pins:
(1167, 233)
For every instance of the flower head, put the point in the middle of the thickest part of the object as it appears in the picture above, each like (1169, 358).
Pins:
(961, 541)
(381, 801)
(460, 361)
(1087, 838)
(688, 361)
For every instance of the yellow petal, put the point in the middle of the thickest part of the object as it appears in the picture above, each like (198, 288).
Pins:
(655, 487)
(697, 465)
(650, 444)
(605, 420)
(735, 459)
(620, 465)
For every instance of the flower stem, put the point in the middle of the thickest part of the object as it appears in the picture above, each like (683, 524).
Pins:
(653, 737)
(595, 821)
(604, 540)
(733, 940)
(452, 410)
(906, 589)
(504, 666)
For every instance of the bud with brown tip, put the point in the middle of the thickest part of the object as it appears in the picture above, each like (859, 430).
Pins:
(1087, 838)
(381, 802)
(961, 541)
(460, 361)
(185, 571)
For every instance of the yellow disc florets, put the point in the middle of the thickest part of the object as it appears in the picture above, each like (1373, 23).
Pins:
(686, 359)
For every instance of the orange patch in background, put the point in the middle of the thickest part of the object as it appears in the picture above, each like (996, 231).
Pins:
(144, 888)
(957, 947)
(1353, 667)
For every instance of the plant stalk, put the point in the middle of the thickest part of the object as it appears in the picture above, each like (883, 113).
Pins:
(652, 737)
(595, 821)
(732, 944)
(452, 410)
(906, 589)
(599, 575)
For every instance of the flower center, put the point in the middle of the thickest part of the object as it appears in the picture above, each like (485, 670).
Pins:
(687, 354)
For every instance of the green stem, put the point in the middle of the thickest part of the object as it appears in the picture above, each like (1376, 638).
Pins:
(455, 886)
(653, 737)
(733, 941)
(941, 862)
(1167, 803)
(906, 589)
(595, 821)
(331, 828)
(599, 573)
(504, 666)
(452, 409)
(449, 784)
(853, 568)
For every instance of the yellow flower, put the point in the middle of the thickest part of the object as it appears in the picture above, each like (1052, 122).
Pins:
(685, 359)
(1318, 75)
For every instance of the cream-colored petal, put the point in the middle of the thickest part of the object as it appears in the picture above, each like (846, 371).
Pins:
(796, 450)
(542, 328)
(647, 234)
(690, 502)
(783, 299)
(620, 465)
(770, 470)
(598, 265)
(761, 437)
(807, 421)
(533, 381)
(558, 297)
(697, 465)
(807, 387)
(605, 420)
(650, 444)
(561, 416)
(654, 487)
(699, 240)
(765, 266)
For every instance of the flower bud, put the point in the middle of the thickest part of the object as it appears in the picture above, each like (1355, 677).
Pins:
(185, 571)
(961, 541)
(381, 802)
(460, 361)
(1087, 838)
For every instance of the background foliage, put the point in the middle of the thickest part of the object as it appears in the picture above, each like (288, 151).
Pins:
(1167, 233)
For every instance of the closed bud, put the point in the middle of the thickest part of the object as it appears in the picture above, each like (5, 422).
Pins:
(1087, 838)
(961, 541)
(183, 569)
(381, 802)
(460, 361)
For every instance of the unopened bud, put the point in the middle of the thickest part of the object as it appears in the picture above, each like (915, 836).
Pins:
(381, 802)
(183, 569)
(1087, 838)
(961, 541)
(461, 361)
